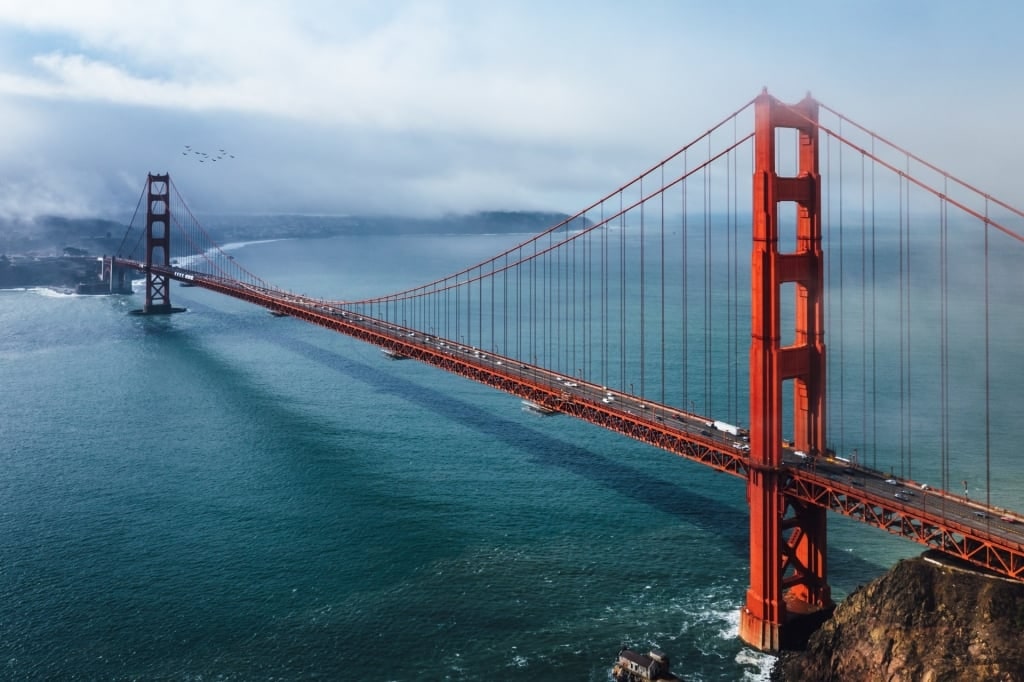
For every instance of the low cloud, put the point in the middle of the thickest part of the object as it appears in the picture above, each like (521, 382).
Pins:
(431, 106)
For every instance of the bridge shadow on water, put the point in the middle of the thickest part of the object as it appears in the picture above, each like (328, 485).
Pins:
(667, 497)
(542, 448)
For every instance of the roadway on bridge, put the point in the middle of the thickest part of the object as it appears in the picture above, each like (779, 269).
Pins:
(913, 497)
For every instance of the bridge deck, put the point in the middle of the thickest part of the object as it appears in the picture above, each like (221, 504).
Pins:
(986, 536)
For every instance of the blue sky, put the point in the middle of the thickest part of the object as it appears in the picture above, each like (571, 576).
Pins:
(352, 106)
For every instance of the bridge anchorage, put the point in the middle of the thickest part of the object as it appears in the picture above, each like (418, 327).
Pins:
(115, 277)
(158, 248)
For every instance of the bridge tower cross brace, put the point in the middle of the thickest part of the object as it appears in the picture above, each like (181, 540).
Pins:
(788, 593)
(158, 244)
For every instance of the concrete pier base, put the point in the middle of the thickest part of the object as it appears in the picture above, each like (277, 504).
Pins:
(163, 309)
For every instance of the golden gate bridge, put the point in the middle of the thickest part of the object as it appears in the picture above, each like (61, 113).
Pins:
(689, 309)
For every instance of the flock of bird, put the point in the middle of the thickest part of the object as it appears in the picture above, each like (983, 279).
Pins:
(203, 157)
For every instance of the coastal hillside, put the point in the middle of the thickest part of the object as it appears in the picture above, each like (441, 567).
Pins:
(228, 228)
(920, 622)
(56, 251)
(55, 235)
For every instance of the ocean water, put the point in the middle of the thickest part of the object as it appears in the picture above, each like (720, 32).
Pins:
(226, 495)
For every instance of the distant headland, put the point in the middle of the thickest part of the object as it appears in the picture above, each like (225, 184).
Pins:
(55, 251)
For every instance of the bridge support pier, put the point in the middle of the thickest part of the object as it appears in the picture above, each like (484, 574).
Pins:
(158, 247)
(789, 594)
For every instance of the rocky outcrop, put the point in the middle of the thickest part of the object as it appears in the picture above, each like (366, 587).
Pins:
(921, 622)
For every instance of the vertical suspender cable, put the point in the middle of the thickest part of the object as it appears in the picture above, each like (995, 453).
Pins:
(842, 297)
(739, 388)
(504, 308)
(902, 333)
(863, 309)
(988, 375)
(910, 346)
(643, 292)
(480, 308)
(622, 294)
(593, 304)
(519, 305)
(587, 293)
(662, 397)
(730, 299)
(553, 334)
(533, 305)
(708, 401)
(685, 291)
(943, 336)
(874, 321)
(738, 295)
(557, 321)
(605, 275)
(494, 308)
(568, 303)
(548, 335)
(574, 364)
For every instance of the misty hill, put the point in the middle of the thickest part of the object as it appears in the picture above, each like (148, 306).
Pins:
(238, 228)
(55, 235)
(51, 235)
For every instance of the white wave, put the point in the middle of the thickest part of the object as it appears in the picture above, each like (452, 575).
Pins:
(234, 246)
(211, 253)
(732, 624)
(52, 293)
(762, 662)
(748, 658)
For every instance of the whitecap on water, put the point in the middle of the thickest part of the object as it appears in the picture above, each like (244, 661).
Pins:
(51, 293)
(758, 660)
(757, 665)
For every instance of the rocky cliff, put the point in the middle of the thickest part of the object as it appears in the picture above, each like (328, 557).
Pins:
(921, 622)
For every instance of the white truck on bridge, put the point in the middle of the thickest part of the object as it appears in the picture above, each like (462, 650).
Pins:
(729, 428)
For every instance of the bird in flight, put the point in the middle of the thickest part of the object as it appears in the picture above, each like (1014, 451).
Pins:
(202, 156)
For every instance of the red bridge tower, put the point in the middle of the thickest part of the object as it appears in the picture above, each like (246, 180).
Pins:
(788, 593)
(158, 246)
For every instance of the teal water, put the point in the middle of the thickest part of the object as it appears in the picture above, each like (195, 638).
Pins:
(225, 495)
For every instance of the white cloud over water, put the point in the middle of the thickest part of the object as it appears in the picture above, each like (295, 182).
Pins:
(422, 107)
